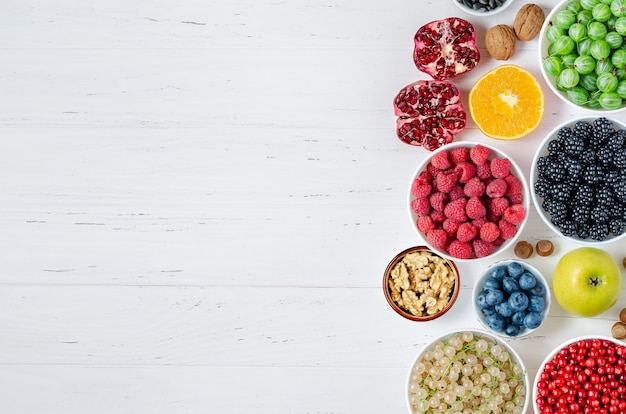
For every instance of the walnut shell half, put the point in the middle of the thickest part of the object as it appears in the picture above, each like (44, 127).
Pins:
(528, 21)
(501, 42)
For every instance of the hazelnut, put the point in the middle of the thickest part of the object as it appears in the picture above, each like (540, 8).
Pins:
(618, 330)
(622, 315)
(501, 41)
(528, 21)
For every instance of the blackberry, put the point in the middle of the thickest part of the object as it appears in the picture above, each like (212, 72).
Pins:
(572, 166)
(560, 191)
(599, 214)
(584, 195)
(573, 144)
(619, 191)
(555, 147)
(617, 140)
(581, 213)
(542, 162)
(604, 198)
(604, 155)
(542, 187)
(617, 226)
(583, 232)
(583, 129)
(568, 228)
(557, 210)
(602, 130)
(599, 232)
(619, 158)
(555, 172)
(592, 174)
(611, 177)
(588, 156)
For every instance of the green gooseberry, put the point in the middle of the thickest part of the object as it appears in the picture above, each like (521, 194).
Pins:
(607, 82)
(589, 4)
(584, 64)
(553, 65)
(573, 6)
(618, 58)
(569, 59)
(565, 45)
(614, 39)
(568, 78)
(553, 33)
(578, 95)
(618, 8)
(585, 17)
(583, 46)
(610, 100)
(577, 32)
(589, 82)
(620, 25)
(603, 66)
(601, 12)
(596, 30)
(621, 89)
(593, 100)
(600, 49)
(564, 19)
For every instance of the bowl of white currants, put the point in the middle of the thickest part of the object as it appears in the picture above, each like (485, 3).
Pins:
(511, 298)
(582, 53)
(468, 371)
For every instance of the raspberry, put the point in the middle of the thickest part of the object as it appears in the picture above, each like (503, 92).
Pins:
(446, 181)
(483, 248)
(425, 224)
(459, 155)
(514, 214)
(450, 226)
(425, 177)
(440, 160)
(516, 198)
(456, 193)
(437, 238)
(475, 208)
(484, 172)
(421, 206)
(438, 201)
(489, 232)
(496, 188)
(466, 232)
(500, 167)
(474, 187)
(437, 216)
(507, 230)
(479, 222)
(455, 210)
(465, 171)
(479, 154)
(513, 185)
(460, 250)
(498, 205)
(420, 189)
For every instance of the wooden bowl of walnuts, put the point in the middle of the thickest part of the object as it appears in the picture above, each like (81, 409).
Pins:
(421, 285)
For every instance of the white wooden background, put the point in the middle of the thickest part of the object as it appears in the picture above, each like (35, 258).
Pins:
(198, 199)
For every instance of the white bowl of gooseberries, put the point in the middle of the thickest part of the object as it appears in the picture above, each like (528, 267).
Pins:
(582, 54)
(468, 370)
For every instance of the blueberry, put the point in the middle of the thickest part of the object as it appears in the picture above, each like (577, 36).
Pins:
(489, 312)
(495, 322)
(515, 269)
(532, 320)
(498, 272)
(492, 283)
(481, 300)
(512, 330)
(538, 290)
(527, 281)
(505, 309)
(518, 301)
(518, 318)
(509, 284)
(494, 296)
(537, 304)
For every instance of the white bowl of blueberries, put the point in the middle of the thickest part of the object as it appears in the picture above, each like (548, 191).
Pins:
(482, 7)
(511, 298)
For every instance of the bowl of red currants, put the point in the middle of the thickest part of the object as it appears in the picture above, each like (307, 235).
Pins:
(578, 180)
(583, 375)
(468, 371)
(582, 55)
(511, 298)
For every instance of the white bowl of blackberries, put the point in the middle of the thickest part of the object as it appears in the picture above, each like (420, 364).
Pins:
(578, 180)
(511, 298)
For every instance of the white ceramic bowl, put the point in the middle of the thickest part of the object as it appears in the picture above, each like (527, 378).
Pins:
(414, 379)
(515, 170)
(469, 10)
(479, 286)
(542, 150)
(564, 345)
(544, 43)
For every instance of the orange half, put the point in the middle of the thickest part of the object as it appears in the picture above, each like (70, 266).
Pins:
(506, 103)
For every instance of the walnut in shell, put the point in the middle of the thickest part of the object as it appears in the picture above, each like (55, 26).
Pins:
(501, 42)
(528, 21)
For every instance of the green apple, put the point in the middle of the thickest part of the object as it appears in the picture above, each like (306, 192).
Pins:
(587, 281)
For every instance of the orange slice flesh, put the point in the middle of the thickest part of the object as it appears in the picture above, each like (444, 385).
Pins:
(506, 103)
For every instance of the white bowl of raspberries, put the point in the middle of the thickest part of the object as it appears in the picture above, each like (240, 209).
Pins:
(511, 298)
(578, 179)
(468, 201)
(586, 374)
